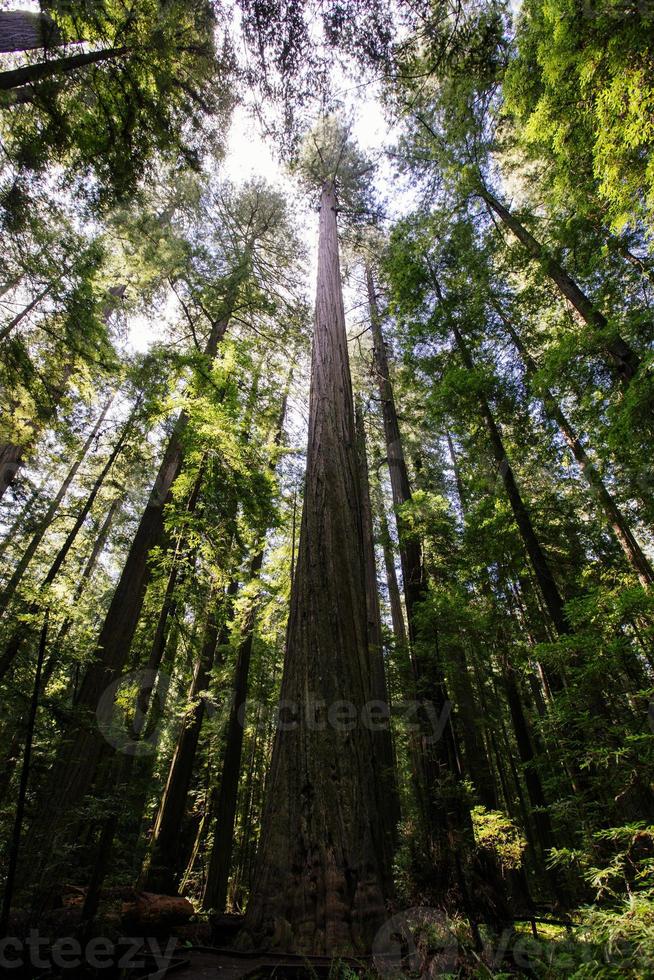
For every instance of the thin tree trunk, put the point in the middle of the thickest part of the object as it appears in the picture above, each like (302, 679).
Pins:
(540, 564)
(13, 647)
(389, 801)
(623, 360)
(164, 863)
(88, 570)
(77, 761)
(440, 764)
(14, 843)
(215, 893)
(7, 329)
(49, 515)
(12, 455)
(30, 74)
(17, 529)
(616, 519)
(320, 884)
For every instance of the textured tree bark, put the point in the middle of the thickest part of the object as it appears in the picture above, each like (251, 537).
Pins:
(617, 521)
(30, 74)
(320, 882)
(21, 30)
(623, 360)
(45, 523)
(384, 756)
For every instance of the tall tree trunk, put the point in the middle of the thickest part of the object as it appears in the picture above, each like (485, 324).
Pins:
(15, 840)
(215, 892)
(165, 861)
(18, 527)
(389, 802)
(13, 647)
(320, 884)
(7, 329)
(87, 572)
(21, 30)
(623, 360)
(12, 454)
(30, 74)
(44, 524)
(540, 564)
(394, 597)
(615, 517)
(77, 760)
(527, 757)
(439, 763)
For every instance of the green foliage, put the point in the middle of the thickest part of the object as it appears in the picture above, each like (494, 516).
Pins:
(496, 833)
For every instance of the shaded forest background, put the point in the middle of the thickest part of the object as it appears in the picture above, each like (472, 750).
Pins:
(156, 325)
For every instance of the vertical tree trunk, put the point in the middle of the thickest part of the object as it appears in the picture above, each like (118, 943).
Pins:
(623, 360)
(12, 649)
(165, 861)
(540, 564)
(12, 454)
(615, 517)
(215, 892)
(438, 800)
(47, 519)
(389, 801)
(320, 883)
(15, 840)
(80, 751)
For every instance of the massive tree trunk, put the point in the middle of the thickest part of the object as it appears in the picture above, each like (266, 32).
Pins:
(44, 524)
(615, 517)
(30, 74)
(623, 360)
(320, 882)
(21, 30)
